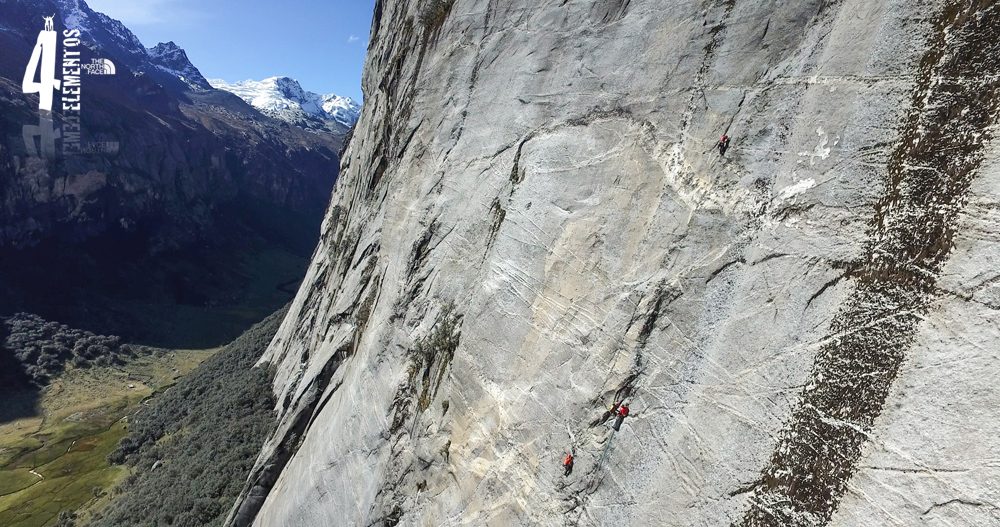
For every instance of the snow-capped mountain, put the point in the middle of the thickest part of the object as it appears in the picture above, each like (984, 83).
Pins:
(166, 63)
(343, 109)
(283, 98)
(101, 31)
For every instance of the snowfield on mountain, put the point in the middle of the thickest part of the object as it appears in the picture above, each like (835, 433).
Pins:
(283, 98)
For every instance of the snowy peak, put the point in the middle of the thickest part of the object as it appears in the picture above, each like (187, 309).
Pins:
(288, 87)
(171, 58)
(99, 29)
(284, 98)
(342, 109)
(167, 62)
(168, 51)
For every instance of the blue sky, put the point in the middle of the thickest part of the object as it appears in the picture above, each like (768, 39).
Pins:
(321, 43)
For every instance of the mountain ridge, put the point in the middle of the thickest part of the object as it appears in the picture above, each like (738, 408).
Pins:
(284, 98)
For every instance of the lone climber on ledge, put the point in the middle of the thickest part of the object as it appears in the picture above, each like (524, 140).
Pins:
(723, 144)
(622, 414)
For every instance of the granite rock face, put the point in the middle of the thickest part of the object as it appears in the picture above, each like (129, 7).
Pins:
(532, 223)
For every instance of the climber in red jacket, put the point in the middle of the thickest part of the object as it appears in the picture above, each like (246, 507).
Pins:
(568, 464)
(723, 144)
(622, 414)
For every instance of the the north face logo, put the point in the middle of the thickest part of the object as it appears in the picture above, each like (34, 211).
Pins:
(100, 67)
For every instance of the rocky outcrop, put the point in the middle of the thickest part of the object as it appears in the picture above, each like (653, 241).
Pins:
(532, 224)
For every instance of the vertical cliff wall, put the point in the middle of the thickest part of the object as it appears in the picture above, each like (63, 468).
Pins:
(532, 224)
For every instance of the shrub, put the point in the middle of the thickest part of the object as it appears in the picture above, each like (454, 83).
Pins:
(434, 352)
(433, 13)
(66, 519)
(44, 348)
(191, 448)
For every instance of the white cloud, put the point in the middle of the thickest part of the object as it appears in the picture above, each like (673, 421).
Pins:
(352, 39)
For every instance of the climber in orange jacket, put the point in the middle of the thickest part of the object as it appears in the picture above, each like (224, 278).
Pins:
(568, 464)
(622, 414)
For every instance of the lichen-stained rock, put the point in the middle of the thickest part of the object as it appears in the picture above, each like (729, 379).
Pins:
(533, 224)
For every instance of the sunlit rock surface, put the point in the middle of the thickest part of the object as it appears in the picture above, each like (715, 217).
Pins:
(533, 223)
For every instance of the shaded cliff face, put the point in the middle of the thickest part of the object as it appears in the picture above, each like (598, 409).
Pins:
(532, 224)
(197, 196)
